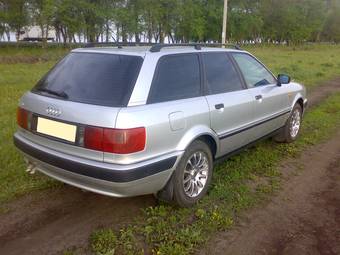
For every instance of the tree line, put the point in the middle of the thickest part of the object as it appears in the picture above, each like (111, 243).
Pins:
(174, 21)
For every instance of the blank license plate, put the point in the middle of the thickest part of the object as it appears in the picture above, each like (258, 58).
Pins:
(57, 129)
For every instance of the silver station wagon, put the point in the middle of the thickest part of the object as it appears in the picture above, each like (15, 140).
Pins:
(128, 121)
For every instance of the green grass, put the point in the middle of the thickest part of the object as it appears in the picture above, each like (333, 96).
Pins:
(168, 230)
(310, 64)
(15, 79)
(13, 55)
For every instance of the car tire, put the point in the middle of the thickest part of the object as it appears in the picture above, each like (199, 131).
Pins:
(290, 132)
(191, 178)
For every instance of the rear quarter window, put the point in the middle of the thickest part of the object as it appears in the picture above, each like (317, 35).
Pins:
(176, 77)
(94, 78)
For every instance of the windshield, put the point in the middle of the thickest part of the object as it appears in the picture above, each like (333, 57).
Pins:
(94, 78)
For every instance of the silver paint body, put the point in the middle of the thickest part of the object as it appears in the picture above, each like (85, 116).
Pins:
(170, 126)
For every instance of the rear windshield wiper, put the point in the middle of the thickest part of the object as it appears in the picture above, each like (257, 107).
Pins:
(52, 92)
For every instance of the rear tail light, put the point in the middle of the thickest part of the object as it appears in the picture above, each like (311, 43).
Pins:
(22, 118)
(120, 141)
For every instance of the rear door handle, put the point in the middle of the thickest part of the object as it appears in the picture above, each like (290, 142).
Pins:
(258, 97)
(219, 106)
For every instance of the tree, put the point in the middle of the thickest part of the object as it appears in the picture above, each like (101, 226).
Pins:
(289, 21)
(331, 29)
(245, 21)
(69, 19)
(4, 28)
(43, 12)
(292, 20)
(191, 26)
(17, 15)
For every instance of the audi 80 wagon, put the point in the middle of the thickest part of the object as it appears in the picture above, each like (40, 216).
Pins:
(129, 121)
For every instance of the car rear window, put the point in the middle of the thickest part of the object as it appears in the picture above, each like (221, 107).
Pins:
(94, 78)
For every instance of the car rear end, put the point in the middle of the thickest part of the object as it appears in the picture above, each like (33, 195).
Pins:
(66, 125)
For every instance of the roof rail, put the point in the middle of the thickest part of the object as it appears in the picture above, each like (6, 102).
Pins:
(230, 45)
(197, 46)
(158, 47)
(120, 45)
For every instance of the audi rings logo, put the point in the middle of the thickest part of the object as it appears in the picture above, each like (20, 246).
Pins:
(53, 111)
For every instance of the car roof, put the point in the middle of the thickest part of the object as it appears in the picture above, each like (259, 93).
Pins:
(143, 50)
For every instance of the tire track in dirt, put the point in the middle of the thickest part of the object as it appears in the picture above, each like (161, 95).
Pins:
(51, 221)
(304, 218)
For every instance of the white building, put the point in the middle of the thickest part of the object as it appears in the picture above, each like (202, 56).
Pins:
(33, 33)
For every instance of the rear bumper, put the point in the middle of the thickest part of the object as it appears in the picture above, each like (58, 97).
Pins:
(115, 180)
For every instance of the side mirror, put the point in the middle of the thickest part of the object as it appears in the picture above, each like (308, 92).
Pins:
(283, 79)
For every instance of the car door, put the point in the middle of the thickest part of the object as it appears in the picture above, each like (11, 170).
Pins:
(270, 101)
(229, 101)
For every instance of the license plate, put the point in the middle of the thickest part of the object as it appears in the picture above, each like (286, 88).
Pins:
(57, 129)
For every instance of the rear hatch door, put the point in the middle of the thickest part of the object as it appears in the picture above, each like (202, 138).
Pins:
(82, 89)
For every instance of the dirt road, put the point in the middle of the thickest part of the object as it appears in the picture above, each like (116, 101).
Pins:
(304, 218)
(49, 222)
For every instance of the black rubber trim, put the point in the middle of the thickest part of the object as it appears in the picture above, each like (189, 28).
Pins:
(305, 105)
(235, 152)
(221, 137)
(101, 173)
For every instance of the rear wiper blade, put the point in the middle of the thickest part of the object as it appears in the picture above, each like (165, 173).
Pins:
(56, 93)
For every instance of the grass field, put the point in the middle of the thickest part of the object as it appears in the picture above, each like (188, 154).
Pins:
(307, 64)
(166, 229)
(15, 79)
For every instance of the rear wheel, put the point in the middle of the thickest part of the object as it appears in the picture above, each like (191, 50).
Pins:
(291, 130)
(190, 181)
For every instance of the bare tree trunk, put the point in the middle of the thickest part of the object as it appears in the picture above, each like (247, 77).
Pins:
(57, 34)
(107, 31)
(137, 37)
(17, 34)
(149, 35)
(8, 36)
(64, 35)
(124, 36)
(117, 33)
(161, 35)
(43, 36)
(171, 37)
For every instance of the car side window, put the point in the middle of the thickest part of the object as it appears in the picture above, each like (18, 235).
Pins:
(221, 74)
(177, 77)
(254, 73)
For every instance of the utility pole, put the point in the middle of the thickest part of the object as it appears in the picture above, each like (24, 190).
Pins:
(224, 29)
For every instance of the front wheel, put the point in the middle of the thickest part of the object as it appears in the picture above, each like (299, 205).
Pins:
(191, 179)
(291, 130)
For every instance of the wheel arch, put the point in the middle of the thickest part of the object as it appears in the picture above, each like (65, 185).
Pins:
(300, 102)
(202, 133)
(298, 99)
(210, 141)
